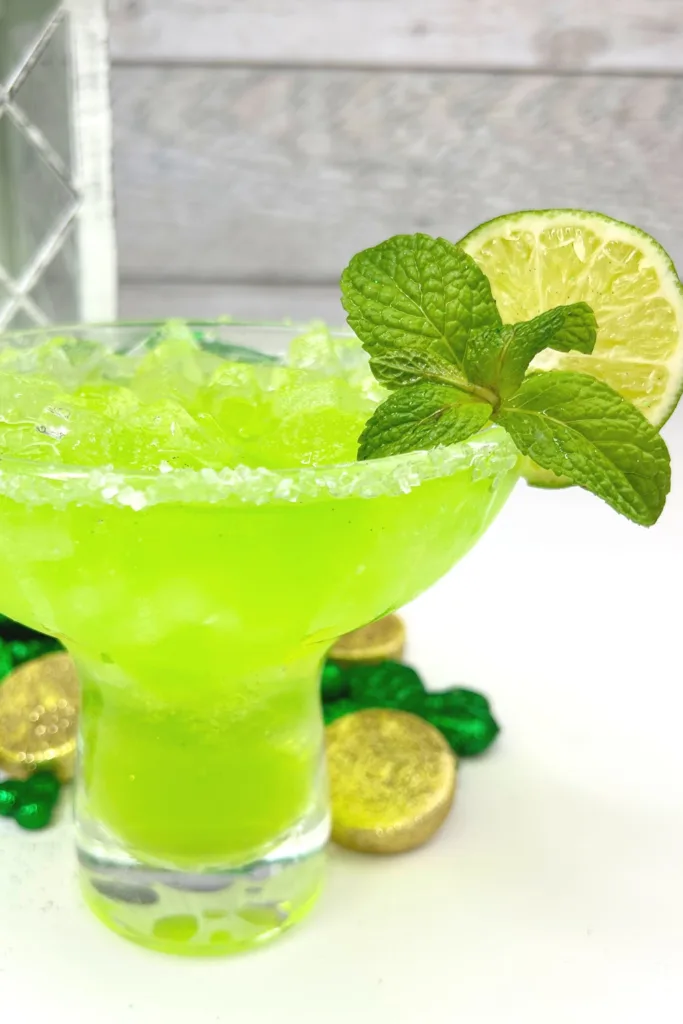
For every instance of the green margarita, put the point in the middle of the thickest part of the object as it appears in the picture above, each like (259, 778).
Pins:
(198, 521)
(199, 600)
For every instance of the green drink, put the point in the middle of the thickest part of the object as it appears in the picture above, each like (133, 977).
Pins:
(183, 507)
(199, 601)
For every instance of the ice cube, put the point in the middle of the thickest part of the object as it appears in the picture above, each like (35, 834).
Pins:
(315, 349)
(176, 366)
(335, 355)
(165, 431)
(240, 400)
(319, 420)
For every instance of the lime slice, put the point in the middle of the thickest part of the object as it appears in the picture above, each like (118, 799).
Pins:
(539, 259)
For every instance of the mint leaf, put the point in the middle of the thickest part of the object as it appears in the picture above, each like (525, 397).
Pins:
(499, 358)
(397, 367)
(421, 416)
(417, 292)
(579, 427)
(565, 328)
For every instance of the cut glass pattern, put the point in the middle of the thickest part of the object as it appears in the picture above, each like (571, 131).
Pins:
(39, 277)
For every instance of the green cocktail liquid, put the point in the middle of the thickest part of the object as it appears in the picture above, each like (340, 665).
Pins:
(195, 530)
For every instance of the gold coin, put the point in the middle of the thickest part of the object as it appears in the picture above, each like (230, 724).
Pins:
(39, 716)
(380, 640)
(392, 780)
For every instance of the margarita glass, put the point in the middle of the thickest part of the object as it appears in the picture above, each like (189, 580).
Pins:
(198, 603)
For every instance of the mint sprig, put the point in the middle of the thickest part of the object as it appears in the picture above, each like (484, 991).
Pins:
(424, 312)
(422, 416)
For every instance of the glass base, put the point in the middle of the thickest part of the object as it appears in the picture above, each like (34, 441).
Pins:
(209, 912)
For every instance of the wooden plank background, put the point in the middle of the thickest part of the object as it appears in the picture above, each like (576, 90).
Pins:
(548, 34)
(259, 143)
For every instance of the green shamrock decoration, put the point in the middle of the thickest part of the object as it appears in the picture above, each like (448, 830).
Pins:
(31, 802)
(19, 644)
(463, 716)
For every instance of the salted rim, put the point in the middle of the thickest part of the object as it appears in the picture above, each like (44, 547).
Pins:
(490, 453)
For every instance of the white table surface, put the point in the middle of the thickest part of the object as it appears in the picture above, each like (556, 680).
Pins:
(553, 895)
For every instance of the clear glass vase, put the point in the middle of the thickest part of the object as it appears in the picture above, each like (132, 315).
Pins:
(198, 606)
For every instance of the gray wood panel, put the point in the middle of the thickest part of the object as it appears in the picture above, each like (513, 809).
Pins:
(250, 175)
(154, 300)
(573, 34)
